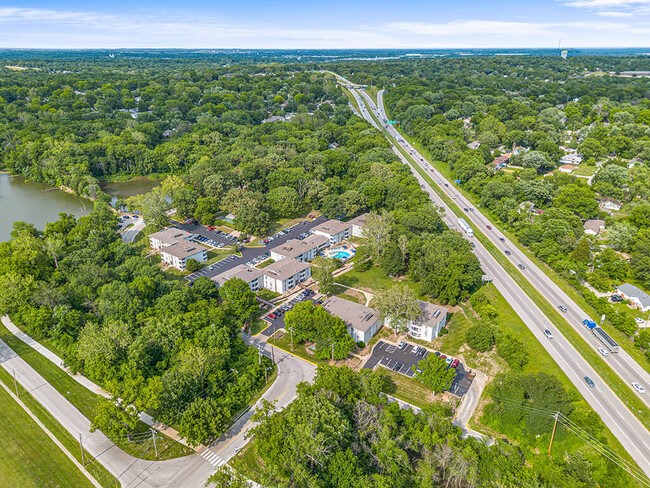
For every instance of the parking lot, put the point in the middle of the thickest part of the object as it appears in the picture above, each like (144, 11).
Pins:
(401, 361)
(251, 255)
(277, 323)
(214, 238)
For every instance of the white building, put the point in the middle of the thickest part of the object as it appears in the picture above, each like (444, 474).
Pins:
(253, 277)
(426, 327)
(179, 253)
(285, 274)
(610, 204)
(594, 227)
(574, 159)
(335, 231)
(357, 224)
(176, 248)
(304, 250)
(362, 322)
(635, 295)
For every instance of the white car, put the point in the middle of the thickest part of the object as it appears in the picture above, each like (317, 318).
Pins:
(639, 320)
(603, 352)
(638, 387)
(548, 333)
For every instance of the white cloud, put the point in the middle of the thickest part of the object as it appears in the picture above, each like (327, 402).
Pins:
(471, 27)
(615, 14)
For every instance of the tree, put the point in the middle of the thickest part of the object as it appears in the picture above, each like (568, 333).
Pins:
(207, 209)
(116, 421)
(480, 337)
(582, 252)
(621, 235)
(252, 220)
(226, 477)
(402, 243)
(376, 231)
(614, 175)
(193, 265)
(435, 373)
(640, 216)
(398, 306)
(322, 271)
(284, 201)
(239, 299)
(580, 199)
(203, 421)
(537, 160)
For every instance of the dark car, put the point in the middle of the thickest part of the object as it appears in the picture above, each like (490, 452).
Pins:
(397, 367)
(589, 381)
(472, 244)
(508, 253)
(521, 266)
(617, 298)
(502, 239)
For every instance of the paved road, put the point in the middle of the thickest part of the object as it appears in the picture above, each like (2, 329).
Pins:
(622, 363)
(389, 356)
(248, 253)
(619, 419)
(134, 230)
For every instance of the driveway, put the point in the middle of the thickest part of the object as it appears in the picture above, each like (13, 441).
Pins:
(278, 323)
(248, 253)
(401, 361)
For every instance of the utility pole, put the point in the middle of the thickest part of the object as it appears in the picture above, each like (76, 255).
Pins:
(272, 354)
(16, 383)
(332, 363)
(81, 445)
(553, 434)
(153, 436)
(235, 374)
(291, 330)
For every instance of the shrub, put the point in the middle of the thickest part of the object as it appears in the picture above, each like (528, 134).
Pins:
(193, 265)
(480, 338)
(361, 344)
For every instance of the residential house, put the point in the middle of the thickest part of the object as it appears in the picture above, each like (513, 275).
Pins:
(250, 275)
(593, 227)
(304, 250)
(573, 159)
(474, 144)
(230, 218)
(635, 295)
(335, 231)
(357, 224)
(608, 203)
(176, 248)
(426, 327)
(567, 168)
(362, 322)
(285, 274)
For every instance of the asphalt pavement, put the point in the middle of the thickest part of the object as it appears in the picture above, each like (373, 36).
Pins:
(625, 426)
(402, 360)
(247, 253)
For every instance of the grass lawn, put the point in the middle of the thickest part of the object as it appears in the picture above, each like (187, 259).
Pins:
(248, 463)
(352, 100)
(373, 280)
(351, 295)
(409, 390)
(584, 170)
(267, 294)
(266, 263)
(29, 457)
(215, 255)
(258, 326)
(85, 400)
(300, 350)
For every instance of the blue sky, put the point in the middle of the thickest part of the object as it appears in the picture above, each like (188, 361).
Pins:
(324, 24)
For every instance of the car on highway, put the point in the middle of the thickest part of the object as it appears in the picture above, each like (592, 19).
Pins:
(562, 308)
(548, 333)
(465, 209)
(638, 387)
(472, 244)
(521, 266)
(589, 381)
(508, 253)
(603, 352)
(489, 227)
(502, 239)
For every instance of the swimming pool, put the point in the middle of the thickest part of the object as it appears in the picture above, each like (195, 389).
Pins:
(341, 255)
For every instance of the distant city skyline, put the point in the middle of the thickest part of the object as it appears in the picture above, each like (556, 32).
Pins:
(288, 24)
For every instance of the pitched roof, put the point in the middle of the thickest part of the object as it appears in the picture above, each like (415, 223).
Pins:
(182, 249)
(332, 227)
(635, 292)
(594, 225)
(353, 314)
(170, 235)
(241, 271)
(431, 314)
(295, 247)
(359, 220)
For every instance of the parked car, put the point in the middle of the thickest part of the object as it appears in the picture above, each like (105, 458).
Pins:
(638, 387)
(639, 320)
(617, 298)
(508, 253)
(415, 350)
(603, 352)
(548, 333)
(402, 345)
(454, 363)
(562, 308)
(397, 367)
(126, 217)
(442, 356)
(449, 360)
(589, 381)
(210, 228)
(521, 266)
(273, 316)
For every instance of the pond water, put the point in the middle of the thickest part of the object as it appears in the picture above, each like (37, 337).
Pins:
(27, 201)
(120, 190)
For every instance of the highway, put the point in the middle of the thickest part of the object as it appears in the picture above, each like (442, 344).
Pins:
(634, 437)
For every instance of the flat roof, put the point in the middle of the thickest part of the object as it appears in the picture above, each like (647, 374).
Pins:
(241, 271)
(170, 235)
(353, 314)
(431, 314)
(284, 269)
(183, 250)
(359, 220)
(332, 227)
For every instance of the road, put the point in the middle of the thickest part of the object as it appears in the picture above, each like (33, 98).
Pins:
(622, 363)
(129, 234)
(634, 437)
(190, 471)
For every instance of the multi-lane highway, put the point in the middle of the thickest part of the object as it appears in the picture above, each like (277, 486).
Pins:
(619, 419)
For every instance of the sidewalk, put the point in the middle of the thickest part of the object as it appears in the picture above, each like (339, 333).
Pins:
(468, 405)
(83, 381)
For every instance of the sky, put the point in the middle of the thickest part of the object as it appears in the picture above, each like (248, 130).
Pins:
(335, 24)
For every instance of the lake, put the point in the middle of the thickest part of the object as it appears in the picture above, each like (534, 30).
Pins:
(120, 190)
(25, 200)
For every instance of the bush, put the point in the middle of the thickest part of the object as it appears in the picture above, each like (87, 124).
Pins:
(512, 350)
(361, 344)
(480, 338)
(193, 265)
